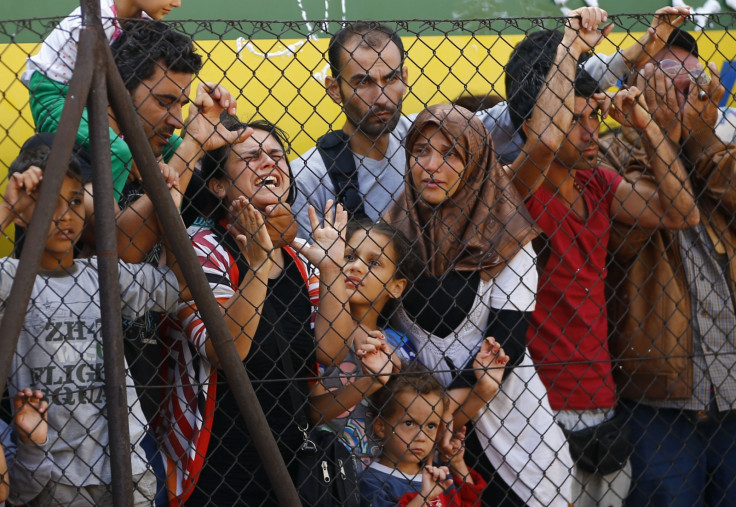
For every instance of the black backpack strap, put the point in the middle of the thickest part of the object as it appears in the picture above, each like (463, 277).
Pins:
(334, 147)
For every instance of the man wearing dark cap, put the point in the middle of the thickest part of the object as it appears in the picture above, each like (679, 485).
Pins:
(673, 321)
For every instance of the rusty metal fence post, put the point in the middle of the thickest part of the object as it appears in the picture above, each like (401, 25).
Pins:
(170, 219)
(106, 252)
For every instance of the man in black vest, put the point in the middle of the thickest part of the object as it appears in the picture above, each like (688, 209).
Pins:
(363, 164)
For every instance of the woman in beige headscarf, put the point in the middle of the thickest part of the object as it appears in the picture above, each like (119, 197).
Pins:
(472, 232)
(459, 206)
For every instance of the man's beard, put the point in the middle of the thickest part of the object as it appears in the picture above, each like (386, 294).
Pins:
(377, 128)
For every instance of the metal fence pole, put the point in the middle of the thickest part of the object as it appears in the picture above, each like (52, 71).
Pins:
(173, 227)
(116, 402)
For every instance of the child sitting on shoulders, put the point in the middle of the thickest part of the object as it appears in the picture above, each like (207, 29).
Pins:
(410, 408)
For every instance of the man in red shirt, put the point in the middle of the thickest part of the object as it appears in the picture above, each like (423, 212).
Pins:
(573, 202)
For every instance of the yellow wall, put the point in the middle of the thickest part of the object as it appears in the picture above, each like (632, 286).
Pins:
(287, 88)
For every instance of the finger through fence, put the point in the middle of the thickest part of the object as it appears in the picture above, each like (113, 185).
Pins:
(471, 261)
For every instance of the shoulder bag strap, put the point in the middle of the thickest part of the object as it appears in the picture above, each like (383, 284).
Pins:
(334, 147)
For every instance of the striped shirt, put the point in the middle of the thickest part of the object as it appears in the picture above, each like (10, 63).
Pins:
(187, 416)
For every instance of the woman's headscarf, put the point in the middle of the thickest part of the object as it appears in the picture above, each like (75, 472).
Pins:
(485, 222)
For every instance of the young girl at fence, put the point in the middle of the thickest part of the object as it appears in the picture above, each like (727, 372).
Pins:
(49, 71)
(468, 225)
(410, 409)
(378, 265)
(270, 294)
(59, 349)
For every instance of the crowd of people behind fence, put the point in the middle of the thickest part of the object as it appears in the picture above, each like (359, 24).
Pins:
(496, 307)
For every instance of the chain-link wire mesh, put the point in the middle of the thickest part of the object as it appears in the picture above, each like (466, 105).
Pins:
(543, 309)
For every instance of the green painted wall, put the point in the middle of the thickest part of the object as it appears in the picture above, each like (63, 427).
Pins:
(314, 10)
(355, 9)
(283, 10)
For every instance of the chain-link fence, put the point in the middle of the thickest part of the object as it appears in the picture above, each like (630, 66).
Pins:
(529, 304)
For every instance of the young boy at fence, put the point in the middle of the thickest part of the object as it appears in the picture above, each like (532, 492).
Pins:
(60, 349)
(410, 409)
(23, 445)
(378, 266)
(49, 71)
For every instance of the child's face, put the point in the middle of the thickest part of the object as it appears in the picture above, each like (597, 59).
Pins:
(410, 432)
(157, 9)
(66, 225)
(370, 266)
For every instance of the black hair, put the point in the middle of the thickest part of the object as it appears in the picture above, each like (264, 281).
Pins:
(474, 103)
(526, 75)
(585, 85)
(145, 45)
(681, 39)
(214, 161)
(413, 378)
(373, 35)
(35, 152)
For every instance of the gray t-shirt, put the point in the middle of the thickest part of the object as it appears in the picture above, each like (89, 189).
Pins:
(60, 352)
(379, 181)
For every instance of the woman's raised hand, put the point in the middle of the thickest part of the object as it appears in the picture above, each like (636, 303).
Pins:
(249, 230)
